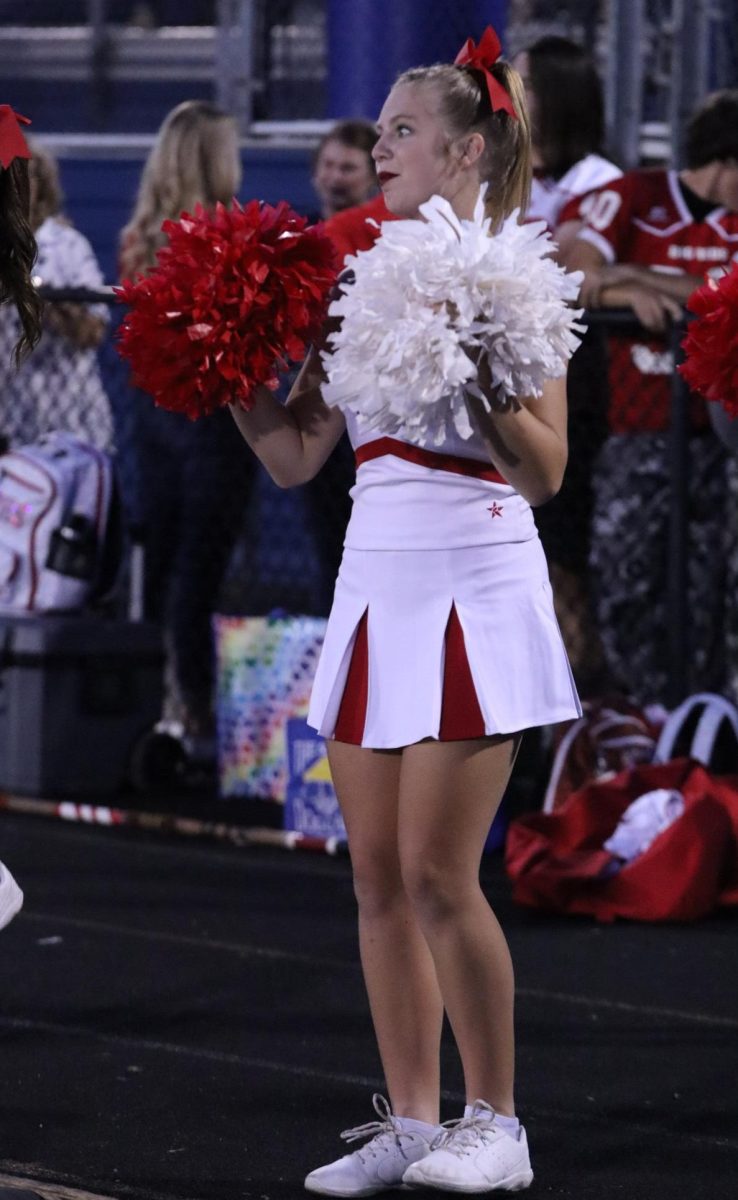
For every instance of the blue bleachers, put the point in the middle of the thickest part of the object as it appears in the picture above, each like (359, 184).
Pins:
(100, 191)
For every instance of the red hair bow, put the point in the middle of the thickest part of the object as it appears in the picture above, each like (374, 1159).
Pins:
(482, 57)
(12, 142)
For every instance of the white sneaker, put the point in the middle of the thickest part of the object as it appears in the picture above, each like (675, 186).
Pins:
(474, 1154)
(380, 1164)
(11, 897)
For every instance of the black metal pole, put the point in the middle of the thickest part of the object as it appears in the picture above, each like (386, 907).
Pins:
(100, 92)
(677, 548)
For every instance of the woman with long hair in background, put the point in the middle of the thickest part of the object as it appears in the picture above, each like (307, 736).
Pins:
(60, 387)
(186, 484)
(567, 110)
(17, 256)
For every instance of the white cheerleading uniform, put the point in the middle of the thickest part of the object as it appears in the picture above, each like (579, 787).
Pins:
(436, 529)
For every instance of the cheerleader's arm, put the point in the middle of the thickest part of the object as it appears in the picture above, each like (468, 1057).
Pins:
(292, 440)
(526, 441)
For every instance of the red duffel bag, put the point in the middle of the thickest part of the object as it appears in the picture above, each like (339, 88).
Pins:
(557, 861)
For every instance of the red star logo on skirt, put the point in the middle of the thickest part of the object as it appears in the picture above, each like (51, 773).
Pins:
(496, 509)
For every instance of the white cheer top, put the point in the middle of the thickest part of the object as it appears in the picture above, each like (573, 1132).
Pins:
(420, 497)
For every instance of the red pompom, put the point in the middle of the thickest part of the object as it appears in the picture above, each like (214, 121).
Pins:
(711, 344)
(236, 294)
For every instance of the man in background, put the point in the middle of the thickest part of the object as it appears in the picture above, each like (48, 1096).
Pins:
(343, 167)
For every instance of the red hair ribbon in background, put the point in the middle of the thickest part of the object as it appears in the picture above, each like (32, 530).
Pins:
(481, 58)
(12, 142)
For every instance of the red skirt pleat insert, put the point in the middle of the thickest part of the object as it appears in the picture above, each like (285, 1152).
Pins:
(352, 713)
(461, 716)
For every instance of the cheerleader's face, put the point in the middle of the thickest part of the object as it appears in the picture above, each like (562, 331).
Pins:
(414, 156)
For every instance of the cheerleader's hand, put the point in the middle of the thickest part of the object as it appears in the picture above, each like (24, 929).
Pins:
(483, 388)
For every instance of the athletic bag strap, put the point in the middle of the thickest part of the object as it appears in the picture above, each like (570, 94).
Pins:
(716, 710)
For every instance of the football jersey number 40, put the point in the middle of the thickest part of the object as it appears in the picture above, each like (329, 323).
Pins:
(599, 208)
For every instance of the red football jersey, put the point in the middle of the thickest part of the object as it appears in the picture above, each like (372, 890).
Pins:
(358, 228)
(555, 201)
(643, 218)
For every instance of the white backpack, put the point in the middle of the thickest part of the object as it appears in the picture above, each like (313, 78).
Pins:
(55, 506)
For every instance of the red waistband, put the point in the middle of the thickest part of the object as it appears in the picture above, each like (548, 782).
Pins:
(428, 458)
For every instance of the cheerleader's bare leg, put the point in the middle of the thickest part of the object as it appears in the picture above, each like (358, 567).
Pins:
(404, 996)
(449, 794)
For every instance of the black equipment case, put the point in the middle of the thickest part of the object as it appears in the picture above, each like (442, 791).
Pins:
(77, 692)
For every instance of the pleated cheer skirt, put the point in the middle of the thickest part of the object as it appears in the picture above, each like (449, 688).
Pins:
(487, 609)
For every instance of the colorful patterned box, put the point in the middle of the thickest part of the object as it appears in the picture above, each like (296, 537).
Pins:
(265, 669)
(311, 806)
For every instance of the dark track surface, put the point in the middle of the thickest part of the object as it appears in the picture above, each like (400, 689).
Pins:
(184, 1020)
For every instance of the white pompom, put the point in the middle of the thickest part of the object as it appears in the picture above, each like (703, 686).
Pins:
(429, 291)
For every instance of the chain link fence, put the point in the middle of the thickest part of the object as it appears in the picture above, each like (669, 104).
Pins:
(217, 534)
(642, 541)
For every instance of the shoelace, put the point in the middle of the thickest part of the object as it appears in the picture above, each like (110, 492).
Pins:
(458, 1135)
(387, 1127)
